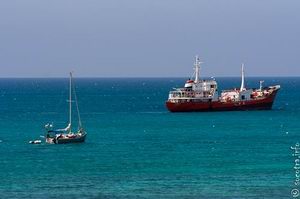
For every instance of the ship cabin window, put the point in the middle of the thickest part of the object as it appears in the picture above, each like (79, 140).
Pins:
(212, 86)
(243, 97)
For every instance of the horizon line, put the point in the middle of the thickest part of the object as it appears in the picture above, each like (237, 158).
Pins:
(139, 77)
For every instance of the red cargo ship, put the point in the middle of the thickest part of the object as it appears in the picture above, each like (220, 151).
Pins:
(202, 95)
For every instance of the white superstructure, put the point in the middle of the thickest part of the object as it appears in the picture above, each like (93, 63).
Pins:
(196, 88)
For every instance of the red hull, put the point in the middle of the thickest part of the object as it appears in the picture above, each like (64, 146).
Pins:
(257, 104)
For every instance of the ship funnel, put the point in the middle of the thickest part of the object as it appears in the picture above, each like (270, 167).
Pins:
(243, 79)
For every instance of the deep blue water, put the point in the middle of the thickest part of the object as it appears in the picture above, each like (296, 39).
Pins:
(136, 149)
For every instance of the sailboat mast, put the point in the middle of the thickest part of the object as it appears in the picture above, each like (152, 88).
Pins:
(70, 103)
(77, 107)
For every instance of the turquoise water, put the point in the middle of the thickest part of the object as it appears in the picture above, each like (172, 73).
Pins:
(136, 149)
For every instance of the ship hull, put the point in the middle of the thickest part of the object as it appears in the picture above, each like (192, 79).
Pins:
(60, 140)
(265, 103)
(78, 139)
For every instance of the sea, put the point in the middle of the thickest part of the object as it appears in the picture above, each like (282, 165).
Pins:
(136, 148)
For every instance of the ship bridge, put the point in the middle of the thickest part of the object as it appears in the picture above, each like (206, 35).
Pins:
(196, 89)
(203, 90)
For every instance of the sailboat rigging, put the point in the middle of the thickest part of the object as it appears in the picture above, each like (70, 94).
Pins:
(66, 135)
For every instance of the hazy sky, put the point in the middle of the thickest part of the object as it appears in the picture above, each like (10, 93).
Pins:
(148, 38)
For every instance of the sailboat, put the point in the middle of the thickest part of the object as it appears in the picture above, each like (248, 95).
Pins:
(66, 135)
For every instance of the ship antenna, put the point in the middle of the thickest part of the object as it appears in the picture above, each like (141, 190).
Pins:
(243, 79)
(197, 69)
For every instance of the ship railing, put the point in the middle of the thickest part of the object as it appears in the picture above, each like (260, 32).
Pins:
(231, 90)
(181, 94)
(188, 95)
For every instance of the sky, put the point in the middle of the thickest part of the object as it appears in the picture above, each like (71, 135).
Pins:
(149, 38)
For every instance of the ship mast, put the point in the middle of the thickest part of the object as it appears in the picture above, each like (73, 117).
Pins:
(261, 85)
(243, 79)
(70, 104)
(197, 69)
